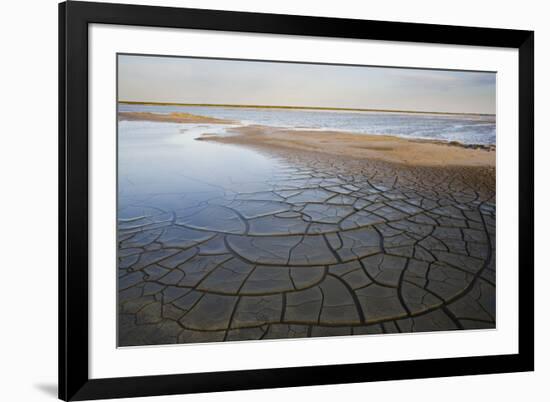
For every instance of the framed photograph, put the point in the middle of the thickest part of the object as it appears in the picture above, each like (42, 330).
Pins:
(258, 200)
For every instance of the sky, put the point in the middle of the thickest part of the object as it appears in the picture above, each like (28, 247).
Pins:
(218, 81)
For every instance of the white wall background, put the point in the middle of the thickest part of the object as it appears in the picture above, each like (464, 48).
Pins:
(28, 198)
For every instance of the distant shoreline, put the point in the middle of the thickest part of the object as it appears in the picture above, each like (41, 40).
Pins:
(304, 108)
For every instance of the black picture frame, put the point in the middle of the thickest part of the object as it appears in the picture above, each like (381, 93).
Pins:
(74, 18)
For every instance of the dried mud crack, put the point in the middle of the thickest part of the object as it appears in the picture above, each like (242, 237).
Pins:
(334, 247)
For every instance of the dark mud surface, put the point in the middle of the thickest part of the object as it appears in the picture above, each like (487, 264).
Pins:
(324, 246)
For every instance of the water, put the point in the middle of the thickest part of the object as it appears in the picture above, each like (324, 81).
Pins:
(464, 129)
(161, 165)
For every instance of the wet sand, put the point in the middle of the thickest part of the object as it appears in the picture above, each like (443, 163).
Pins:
(362, 146)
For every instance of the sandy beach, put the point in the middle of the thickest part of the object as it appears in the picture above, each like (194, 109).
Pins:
(363, 146)
(414, 152)
(170, 118)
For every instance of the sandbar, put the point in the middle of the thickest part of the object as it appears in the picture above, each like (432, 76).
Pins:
(171, 118)
(414, 152)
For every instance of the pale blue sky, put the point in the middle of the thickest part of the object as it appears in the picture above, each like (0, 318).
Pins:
(187, 80)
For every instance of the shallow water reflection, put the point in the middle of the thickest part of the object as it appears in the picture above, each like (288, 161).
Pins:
(161, 163)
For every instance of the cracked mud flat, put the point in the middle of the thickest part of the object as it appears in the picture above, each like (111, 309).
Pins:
(218, 242)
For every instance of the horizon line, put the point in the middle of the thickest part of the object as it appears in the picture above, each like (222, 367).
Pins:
(302, 107)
